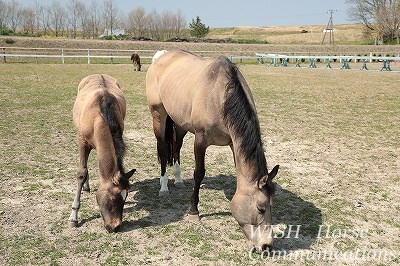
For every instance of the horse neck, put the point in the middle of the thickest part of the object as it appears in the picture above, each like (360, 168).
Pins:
(107, 160)
(248, 170)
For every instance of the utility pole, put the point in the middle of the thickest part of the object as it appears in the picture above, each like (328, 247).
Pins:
(329, 28)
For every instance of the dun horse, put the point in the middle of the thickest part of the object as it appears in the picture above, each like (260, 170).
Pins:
(98, 115)
(210, 98)
(136, 62)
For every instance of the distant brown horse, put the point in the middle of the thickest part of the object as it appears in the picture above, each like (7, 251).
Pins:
(98, 114)
(136, 62)
(210, 98)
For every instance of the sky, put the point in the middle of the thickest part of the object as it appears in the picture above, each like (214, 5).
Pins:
(233, 13)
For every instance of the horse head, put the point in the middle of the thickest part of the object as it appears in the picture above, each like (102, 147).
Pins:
(252, 209)
(111, 198)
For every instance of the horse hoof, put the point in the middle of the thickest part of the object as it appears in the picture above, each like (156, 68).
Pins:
(73, 224)
(179, 185)
(163, 193)
(193, 217)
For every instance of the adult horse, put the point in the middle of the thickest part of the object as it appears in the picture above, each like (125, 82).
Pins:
(136, 61)
(98, 115)
(210, 98)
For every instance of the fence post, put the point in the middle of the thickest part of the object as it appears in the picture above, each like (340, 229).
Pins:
(36, 59)
(62, 56)
(4, 57)
(88, 57)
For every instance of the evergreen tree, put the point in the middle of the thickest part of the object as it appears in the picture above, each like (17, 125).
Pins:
(198, 29)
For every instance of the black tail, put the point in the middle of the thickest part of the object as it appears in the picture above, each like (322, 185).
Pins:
(108, 108)
(169, 139)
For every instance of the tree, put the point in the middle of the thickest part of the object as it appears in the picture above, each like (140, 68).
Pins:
(137, 21)
(110, 16)
(76, 11)
(380, 17)
(57, 18)
(3, 14)
(198, 29)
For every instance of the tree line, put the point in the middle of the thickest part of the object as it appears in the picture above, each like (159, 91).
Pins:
(381, 18)
(84, 19)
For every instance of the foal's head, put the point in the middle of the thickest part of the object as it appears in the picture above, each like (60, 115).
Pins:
(111, 198)
(252, 208)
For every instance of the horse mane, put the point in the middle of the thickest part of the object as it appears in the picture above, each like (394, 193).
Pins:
(108, 110)
(241, 117)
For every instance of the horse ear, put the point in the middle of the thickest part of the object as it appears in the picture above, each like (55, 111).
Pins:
(268, 178)
(273, 173)
(130, 173)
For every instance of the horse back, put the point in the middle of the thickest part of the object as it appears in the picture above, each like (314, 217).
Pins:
(190, 89)
(93, 90)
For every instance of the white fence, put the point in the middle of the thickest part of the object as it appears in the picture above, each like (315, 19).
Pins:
(89, 56)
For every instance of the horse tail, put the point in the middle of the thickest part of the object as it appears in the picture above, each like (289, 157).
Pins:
(169, 139)
(108, 111)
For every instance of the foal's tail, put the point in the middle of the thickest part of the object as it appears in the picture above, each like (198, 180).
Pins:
(169, 140)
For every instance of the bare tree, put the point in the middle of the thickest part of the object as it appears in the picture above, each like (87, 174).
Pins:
(57, 18)
(14, 14)
(110, 16)
(180, 22)
(381, 17)
(93, 20)
(76, 9)
(3, 13)
(154, 22)
(137, 21)
(28, 20)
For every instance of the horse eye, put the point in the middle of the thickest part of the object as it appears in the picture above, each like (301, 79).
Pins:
(261, 210)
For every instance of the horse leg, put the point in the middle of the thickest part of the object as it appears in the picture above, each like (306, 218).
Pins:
(159, 132)
(200, 147)
(82, 180)
(180, 134)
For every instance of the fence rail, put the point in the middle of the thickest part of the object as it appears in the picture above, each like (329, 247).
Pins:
(89, 56)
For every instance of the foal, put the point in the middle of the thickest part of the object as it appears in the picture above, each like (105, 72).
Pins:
(136, 61)
(98, 115)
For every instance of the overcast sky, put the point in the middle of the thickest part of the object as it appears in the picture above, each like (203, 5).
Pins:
(216, 13)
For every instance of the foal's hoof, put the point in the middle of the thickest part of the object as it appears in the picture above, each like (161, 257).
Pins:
(163, 193)
(73, 224)
(179, 185)
(193, 217)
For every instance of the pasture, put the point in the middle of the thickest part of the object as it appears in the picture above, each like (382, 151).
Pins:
(334, 133)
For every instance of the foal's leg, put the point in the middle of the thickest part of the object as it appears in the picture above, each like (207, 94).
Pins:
(180, 134)
(200, 147)
(82, 179)
(159, 132)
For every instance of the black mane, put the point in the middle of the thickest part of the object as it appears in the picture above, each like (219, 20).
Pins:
(241, 118)
(108, 110)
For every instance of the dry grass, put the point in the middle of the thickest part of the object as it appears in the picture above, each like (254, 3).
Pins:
(343, 34)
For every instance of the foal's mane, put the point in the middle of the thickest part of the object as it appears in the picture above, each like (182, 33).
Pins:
(241, 117)
(108, 110)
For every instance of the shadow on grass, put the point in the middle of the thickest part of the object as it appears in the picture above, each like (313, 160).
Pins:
(288, 209)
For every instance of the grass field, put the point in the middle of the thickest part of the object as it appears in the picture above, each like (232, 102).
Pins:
(335, 134)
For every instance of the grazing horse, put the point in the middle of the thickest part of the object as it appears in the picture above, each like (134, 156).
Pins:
(136, 61)
(98, 115)
(210, 98)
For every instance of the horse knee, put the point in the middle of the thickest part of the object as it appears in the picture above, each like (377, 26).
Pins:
(82, 175)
